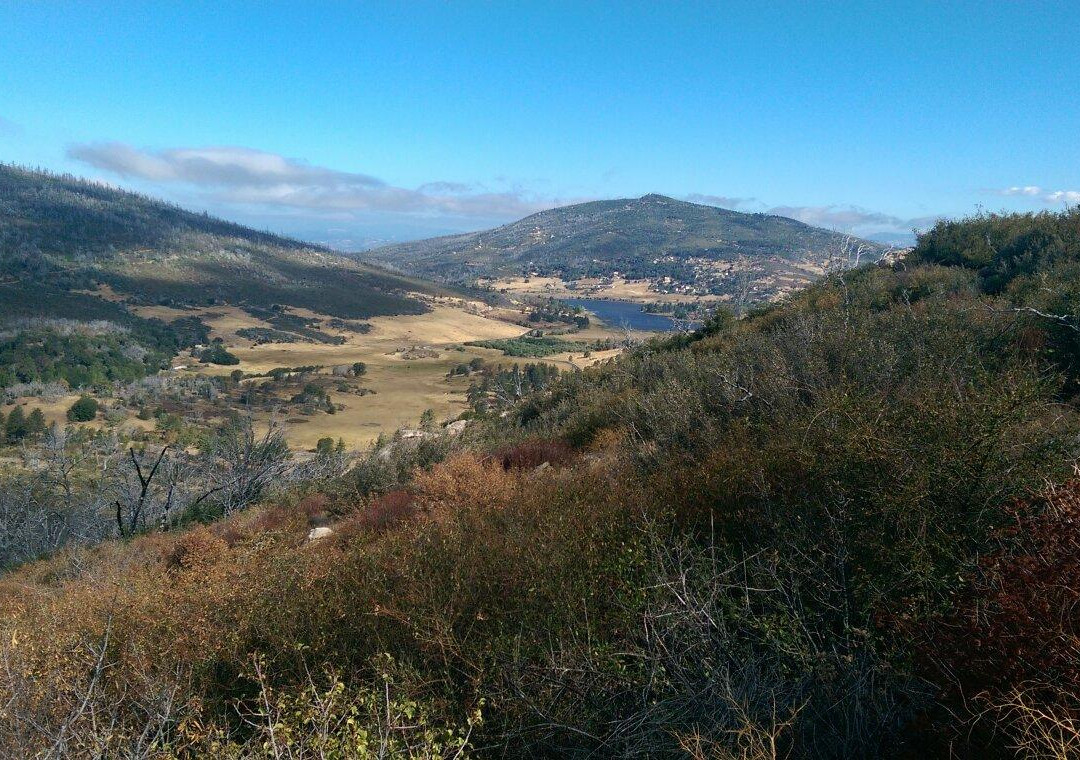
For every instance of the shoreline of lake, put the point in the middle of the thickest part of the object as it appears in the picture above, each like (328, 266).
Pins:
(616, 313)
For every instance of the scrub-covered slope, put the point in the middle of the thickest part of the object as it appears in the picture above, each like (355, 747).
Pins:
(651, 237)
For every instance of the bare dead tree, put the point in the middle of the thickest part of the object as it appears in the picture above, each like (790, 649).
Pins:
(56, 499)
(153, 488)
(134, 504)
(1071, 321)
(510, 393)
(61, 461)
(742, 288)
(629, 340)
(242, 464)
(682, 325)
(847, 254)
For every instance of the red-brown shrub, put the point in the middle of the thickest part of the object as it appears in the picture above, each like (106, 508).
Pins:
(493, 562)
(1016, 628)
(314, 506)
(533, 453)
(195, 549)
(387, 510)
(273, 518)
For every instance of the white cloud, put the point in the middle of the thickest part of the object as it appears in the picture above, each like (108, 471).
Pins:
(239, 175)
(857, 221)
(1046, 196)
(1063, 196)
(843, 218)
(1025, 190)
(723, 201)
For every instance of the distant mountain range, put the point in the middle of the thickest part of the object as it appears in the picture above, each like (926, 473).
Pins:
(680, 246)
(62, 238)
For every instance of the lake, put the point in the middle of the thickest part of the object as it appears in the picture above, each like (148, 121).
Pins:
(623, 313)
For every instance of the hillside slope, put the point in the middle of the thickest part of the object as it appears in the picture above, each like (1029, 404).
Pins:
(652, 237)
(60, 233)
(843, 526)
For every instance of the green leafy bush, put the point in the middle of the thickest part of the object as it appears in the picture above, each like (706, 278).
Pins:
(218, 354)
(531, 347)
(83, 410)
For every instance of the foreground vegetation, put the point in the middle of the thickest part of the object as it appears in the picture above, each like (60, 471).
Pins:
(844, 526)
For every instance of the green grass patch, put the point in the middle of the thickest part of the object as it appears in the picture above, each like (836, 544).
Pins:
(530, 347)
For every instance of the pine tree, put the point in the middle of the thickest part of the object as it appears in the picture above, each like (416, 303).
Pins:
(35, 424)
(15, 427)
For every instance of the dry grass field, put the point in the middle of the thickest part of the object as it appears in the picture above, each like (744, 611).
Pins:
(55, 410)
(401, 388)
(619, 289)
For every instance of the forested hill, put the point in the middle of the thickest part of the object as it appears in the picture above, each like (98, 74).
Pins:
(59, 233)
(649, 237)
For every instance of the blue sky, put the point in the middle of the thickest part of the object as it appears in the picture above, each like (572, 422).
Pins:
(356, 122)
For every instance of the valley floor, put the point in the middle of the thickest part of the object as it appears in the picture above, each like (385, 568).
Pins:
(408, 361)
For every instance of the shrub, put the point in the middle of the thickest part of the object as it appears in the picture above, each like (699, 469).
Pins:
(1009, 646)
(532, 347)
(802, 545)
(83, 410)
(533, 453)
(387, 510)
(217, 354)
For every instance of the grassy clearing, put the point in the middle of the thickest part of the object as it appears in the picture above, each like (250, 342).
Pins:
(403, 388)
(618, 288)
(55, 410)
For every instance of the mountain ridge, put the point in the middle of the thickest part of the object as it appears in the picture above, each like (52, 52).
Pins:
(59, 233)
(653, 237)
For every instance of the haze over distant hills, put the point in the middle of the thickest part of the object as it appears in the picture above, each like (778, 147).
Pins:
(679, 245)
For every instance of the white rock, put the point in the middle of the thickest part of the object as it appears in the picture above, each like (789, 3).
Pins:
(321, 532)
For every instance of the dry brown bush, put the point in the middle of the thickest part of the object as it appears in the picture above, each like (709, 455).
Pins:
(180, 615)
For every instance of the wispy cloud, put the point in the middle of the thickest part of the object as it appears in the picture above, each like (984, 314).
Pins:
(239, 175)
(1025, 190)
(724, 201)
(852, 218)
(1063, 196)
(1067, 197)
(840, 217)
